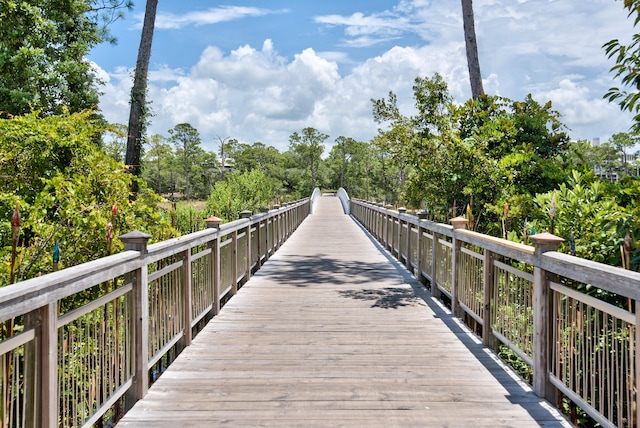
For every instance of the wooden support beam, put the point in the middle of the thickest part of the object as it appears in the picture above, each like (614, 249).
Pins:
(187, 297)
(542, 295)
(48, 365)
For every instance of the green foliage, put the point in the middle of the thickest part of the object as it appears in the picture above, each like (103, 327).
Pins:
(484, 153)
(518, 364)
(65, 187)
(308, 146)
(189, 217)
(114, 141)
(42, 53)
(353, 166)
(627, 59)
(251, 190)
(491, 152)
(586, 208)
(160, 166)
(190, 156)
(275, 165)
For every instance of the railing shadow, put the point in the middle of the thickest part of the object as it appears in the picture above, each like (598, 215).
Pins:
(518, 391)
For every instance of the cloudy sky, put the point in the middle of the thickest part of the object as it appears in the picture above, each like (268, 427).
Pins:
(259, 70)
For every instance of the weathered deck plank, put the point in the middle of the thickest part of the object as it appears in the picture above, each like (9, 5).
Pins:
(332, 332)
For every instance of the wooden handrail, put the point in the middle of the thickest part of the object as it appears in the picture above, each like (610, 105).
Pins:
(552, 325)
(36, 302)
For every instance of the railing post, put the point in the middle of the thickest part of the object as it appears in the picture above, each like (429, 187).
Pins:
(381, 222)
(48, 365)
(458, 223)
(409, 252)
(234, 263)
(542, 295)
(284, 221)
(383, 226)
(487, 267)
(420, 252)
(259, 243)
(267, 248)
(137, 241)
(401, 211)
(387, 230)
(435, 291)
(376, 222)
(637, 357)
(214, 223)
(289, 222)
(247, 214)
(188, 297)
(276, 229)
(373, 218)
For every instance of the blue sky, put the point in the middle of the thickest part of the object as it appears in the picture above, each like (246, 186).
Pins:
(258, 71)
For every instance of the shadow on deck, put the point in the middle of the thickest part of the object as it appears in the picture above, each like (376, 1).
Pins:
(333, 331)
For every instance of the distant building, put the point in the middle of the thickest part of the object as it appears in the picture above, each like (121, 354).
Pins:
(229, 165)
(612, 168)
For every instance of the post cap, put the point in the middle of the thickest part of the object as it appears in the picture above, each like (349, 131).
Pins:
(246, 213)
(545, 238)
(135, 240)
(213, 222)
(402, 210)
(545, 242)
(459, 223)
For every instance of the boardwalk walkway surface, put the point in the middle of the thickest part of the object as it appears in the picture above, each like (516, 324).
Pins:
(332, 332)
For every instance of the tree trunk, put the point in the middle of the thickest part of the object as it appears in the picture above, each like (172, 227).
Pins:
(344, 163)
(472, 49)
(186, 171)
(137, 114)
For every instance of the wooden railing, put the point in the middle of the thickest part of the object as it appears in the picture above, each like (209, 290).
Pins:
(81, 345)
(531, 300)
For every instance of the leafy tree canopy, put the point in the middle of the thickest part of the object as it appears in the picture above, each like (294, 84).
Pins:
(251, 190)
(627, 57)
(65, 187)
(43, 45)
(308, 146)
(482, 153)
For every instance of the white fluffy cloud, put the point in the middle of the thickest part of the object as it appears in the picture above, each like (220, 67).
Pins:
(256, 94)
(210, 16)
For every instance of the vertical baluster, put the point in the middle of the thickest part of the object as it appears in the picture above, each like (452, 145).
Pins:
(636, 368)
(458, 223)
(187, 297)
(420, 251)
(234, 262)
(488, 293)
(388, 227)
(401, 212)
(267, 248)
(259, 240)
(247, 215)
(214, 223)
(435, 292)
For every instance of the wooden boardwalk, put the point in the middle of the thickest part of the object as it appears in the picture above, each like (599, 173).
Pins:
(333, 332)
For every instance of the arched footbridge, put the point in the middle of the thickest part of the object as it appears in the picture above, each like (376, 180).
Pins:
(306, 316)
